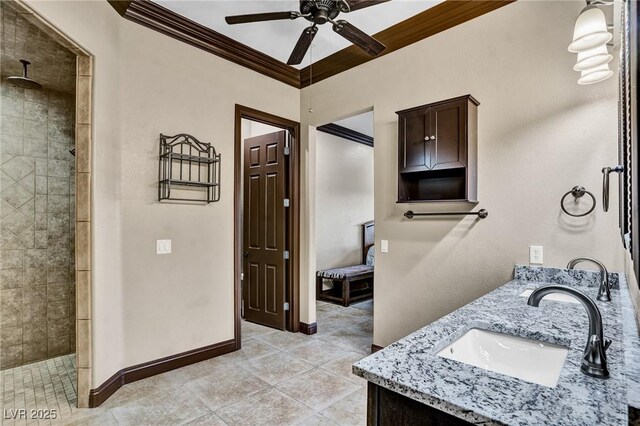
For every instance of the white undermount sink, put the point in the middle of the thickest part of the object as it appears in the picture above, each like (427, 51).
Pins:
(556, 297)
(528, 360)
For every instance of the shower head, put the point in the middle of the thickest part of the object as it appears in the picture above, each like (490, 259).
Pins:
(24, 81)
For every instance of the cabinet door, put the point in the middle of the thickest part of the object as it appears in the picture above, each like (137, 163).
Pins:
(415, 155)
(448, 150)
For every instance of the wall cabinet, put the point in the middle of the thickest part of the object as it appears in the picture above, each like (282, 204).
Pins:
(437, 151)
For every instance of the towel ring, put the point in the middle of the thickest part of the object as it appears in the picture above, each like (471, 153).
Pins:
(578, 192)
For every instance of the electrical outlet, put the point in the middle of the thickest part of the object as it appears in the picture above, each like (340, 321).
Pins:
(163, 246)
(535, 255)
(384, 246)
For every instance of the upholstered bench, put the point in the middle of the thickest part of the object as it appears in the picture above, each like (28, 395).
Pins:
(356, 278)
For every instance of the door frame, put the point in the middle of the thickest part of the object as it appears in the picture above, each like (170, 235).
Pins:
(292, 292)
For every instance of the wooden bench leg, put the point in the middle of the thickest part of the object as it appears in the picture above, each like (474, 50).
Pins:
(319, 282)
(345, 292)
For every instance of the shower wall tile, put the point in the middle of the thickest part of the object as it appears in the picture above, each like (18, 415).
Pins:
(41, 166)
(36, 111)
(12, 107)
(10, 336)
(34, 332)
(37, 225)
(35, 147)
(58, 186)
(12, 126)
(35, 129)
(12, 145)
(58, 168)
(11, 278)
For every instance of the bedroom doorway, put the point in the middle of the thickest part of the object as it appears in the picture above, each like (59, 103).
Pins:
(266, 221)
(345, 231)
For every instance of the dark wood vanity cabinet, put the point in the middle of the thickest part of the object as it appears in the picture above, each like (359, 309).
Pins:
(388, 408)
(437, 151)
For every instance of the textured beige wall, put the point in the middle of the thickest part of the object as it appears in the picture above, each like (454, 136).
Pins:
(344, 199)
(540, 134)
(148, 306)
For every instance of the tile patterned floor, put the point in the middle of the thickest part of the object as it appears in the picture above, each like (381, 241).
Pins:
(278, 378)
(44, 385)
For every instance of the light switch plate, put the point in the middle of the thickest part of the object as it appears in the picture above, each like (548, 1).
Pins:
(163, 246)
(384, 246)
(535, 255)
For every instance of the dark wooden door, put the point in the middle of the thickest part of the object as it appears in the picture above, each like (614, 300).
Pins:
(264, 233)
(447, 138)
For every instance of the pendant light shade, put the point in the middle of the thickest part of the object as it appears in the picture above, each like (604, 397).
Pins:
(595, 75)
(592, 58)
(590, 30)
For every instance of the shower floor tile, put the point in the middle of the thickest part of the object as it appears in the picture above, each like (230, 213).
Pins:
(42, 389)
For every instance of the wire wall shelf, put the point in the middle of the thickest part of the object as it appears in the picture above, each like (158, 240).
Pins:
(189, 170)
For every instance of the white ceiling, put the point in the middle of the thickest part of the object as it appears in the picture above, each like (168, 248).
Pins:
(277, 38)
(361, 123)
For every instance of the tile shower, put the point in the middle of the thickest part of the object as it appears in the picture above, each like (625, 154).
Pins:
(37, 217)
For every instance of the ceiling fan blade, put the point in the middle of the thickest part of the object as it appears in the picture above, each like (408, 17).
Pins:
(259, 17)
(356, 36)
(361, 4)
(302, 45)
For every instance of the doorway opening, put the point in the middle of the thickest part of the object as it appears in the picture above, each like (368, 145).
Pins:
(345, 231)
(46, 206)
(267, 221)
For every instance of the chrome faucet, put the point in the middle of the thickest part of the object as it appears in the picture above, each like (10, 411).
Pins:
(594, 362)
(604, 294)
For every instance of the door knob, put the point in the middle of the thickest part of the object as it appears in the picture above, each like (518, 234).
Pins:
(245, 254)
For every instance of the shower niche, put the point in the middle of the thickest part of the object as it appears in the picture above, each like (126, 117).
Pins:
(189, 170)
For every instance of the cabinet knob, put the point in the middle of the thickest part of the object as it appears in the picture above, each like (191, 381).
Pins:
(433, 138)
(426, 138)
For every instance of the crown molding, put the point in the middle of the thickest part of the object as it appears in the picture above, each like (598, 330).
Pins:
(441, 17)
(165, 21)
(346, 133)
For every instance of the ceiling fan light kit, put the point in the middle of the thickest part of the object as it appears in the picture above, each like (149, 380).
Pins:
(590, 37)
(319, 12)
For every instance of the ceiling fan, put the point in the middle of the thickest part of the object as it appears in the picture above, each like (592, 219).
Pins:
(320, 12)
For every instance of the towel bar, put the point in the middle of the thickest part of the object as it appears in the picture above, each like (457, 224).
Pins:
(482, 213)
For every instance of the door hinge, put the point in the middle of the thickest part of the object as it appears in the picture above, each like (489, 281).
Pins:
(286, 306)
(287, 146)
(287, 150)
(242, 308)
(241, 276)
(286, 254)
(286, 202)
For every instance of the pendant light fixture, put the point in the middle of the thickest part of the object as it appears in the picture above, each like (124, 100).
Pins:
(590, 37)
(590, 30)
(595, 75)
(593, 58)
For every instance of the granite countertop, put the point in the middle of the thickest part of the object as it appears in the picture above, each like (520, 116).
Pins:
(411, 367)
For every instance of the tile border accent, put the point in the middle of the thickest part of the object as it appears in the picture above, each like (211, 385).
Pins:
(151, 368)
(308, 329)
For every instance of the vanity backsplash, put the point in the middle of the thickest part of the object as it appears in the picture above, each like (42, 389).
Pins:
(562, 276)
